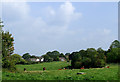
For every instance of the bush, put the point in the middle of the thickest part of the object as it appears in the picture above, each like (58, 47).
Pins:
(10, 65)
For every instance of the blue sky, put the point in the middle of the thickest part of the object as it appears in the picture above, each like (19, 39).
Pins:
(39, 27)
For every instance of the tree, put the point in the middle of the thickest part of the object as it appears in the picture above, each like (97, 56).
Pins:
(17, 59)
(67, 54)
(113, 53)
(115, 44)
(7, 48)
(61, 55)
(87, 58)
(1, 41)
(83, 53)
(54, 54)
(76, 60)
(33, 56)
(113, 56)
(86, 62)
(26, 56)
(56, 58)
(1, 35)
(101, 54)
(46, 58)
(7, 44)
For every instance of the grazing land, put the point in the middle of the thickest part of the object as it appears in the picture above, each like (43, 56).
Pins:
(35, 72)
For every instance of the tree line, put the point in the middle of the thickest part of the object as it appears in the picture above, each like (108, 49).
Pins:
(96, 58)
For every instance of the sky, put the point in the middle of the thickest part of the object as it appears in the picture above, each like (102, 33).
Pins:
(39, 27)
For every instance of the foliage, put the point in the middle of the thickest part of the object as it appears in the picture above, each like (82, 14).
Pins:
(17, 59)
(10, 65)
(33, 56)
(7, 49)
(113, 56)
(113, 53)
(26, 56)
(7, 44)
(54, 55)
(61, 55)
(46, 58)
(88, 58)
(115, 44)
(86, 62)
(67, 54)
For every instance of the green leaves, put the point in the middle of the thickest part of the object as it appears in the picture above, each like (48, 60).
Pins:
(7, 44)
(26, 56)
(88, 58)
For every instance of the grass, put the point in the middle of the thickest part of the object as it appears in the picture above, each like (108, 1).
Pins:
(48, 65)
(34, 72)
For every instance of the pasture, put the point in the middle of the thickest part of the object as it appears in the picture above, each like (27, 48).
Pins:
(35, 72)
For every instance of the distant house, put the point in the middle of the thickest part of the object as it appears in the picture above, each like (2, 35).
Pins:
(37, 59)
(62, 59)
(34, 59)
(41, 59)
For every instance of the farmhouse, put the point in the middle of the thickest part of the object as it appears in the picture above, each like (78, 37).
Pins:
(34, 59)
(37, 59)
(41, 59)
(62, 59)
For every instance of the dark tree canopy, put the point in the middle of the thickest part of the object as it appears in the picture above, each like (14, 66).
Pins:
(26, 56)
(87, 58)
(67, 54)
(115, 44)
(54, 55)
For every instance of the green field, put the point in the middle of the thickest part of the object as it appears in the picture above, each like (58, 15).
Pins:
(35, 72)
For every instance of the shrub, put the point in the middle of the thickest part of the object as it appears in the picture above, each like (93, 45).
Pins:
(10, 65)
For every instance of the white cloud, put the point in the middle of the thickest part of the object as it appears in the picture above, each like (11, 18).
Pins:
(14, 11)
(68, 12)
(63, 16)
(106, 31)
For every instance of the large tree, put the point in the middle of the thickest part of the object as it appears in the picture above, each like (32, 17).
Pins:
(7, 48)
(54, 54)
(113, 56)
(115, 44)
(26, 56)
(7, 44)
(17, 59)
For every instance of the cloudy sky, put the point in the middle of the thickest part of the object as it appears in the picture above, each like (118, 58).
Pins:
(39, 27)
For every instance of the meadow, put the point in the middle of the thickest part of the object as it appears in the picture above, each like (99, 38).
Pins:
(35, 72)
